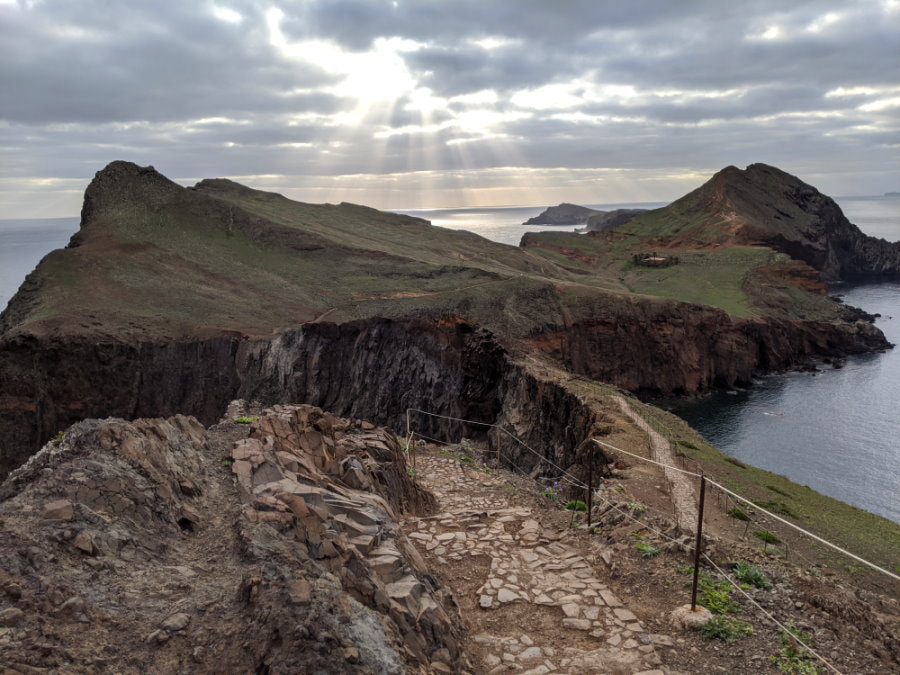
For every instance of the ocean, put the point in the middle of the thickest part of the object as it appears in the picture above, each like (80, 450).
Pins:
(504, 223)
(836, 431)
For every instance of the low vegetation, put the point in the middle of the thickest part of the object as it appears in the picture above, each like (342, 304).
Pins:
(792, 657)
(725, 628)
(766, 537)
(716, 595)
(646, 549)
(751, 576)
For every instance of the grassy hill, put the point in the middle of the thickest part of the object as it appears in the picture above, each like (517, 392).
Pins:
(155, 259)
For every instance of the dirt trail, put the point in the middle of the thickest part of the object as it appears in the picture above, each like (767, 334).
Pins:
(531, 601)
(681, 488)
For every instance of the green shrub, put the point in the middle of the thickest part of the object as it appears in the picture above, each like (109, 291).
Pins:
(576, 505)
(716, 595)
(246, 419)
(635, 507)
(766, 537)
(738, 514)
(647, 550)
(748, 574)
(724, 628)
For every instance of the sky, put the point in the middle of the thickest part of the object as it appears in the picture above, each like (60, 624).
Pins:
(442, 103)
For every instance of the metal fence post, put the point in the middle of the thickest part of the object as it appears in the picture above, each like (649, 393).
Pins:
(698, 544)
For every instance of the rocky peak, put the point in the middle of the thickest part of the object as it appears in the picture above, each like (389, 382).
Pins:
(763, 205)
(121, 183)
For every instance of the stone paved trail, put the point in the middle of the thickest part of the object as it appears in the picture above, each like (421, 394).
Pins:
(556, 614)
(681, 488)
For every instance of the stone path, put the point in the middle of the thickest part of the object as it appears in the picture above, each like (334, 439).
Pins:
(567, 619)
(681, 488)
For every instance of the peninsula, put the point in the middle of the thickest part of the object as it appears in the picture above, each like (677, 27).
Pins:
(177, 300)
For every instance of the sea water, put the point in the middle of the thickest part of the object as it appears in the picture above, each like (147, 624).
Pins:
(22, 245)
(504, 223)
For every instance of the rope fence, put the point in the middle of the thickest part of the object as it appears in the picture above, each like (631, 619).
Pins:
(652, 461)
(577, 483)
(724, 497)
(757, 507)
(574, 479)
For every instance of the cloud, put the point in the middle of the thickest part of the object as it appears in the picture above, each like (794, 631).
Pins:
(435, 90)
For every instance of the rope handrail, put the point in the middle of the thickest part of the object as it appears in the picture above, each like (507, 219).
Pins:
(643, 524)
(759, 508)
(792, 633)
(652, 461)
(574, 479)
(807, 532)
(579, 484)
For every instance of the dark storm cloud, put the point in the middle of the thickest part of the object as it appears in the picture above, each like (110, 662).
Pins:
(96, 62)
(249, 87)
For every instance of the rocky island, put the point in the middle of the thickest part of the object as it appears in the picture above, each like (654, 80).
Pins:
(572, 214)
(562, 214)
(259, 356)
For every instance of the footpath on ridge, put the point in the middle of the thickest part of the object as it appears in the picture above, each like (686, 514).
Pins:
(531, 600)
(680, 489)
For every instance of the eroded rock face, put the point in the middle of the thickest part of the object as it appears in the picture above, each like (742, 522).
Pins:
(378, 368)
(160, 546)
(684, 354)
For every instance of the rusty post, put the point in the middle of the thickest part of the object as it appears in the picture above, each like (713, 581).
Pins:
(698, 544)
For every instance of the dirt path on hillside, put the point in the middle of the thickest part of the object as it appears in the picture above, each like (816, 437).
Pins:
(681, 487)
(531, 601)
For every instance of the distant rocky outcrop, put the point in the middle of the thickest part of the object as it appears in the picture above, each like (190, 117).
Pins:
(607, 220)
(563, 214)
(160, 543)
(572, 214)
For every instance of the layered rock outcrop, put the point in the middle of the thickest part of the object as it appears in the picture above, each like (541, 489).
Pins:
(689, 354)
(134, 547)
